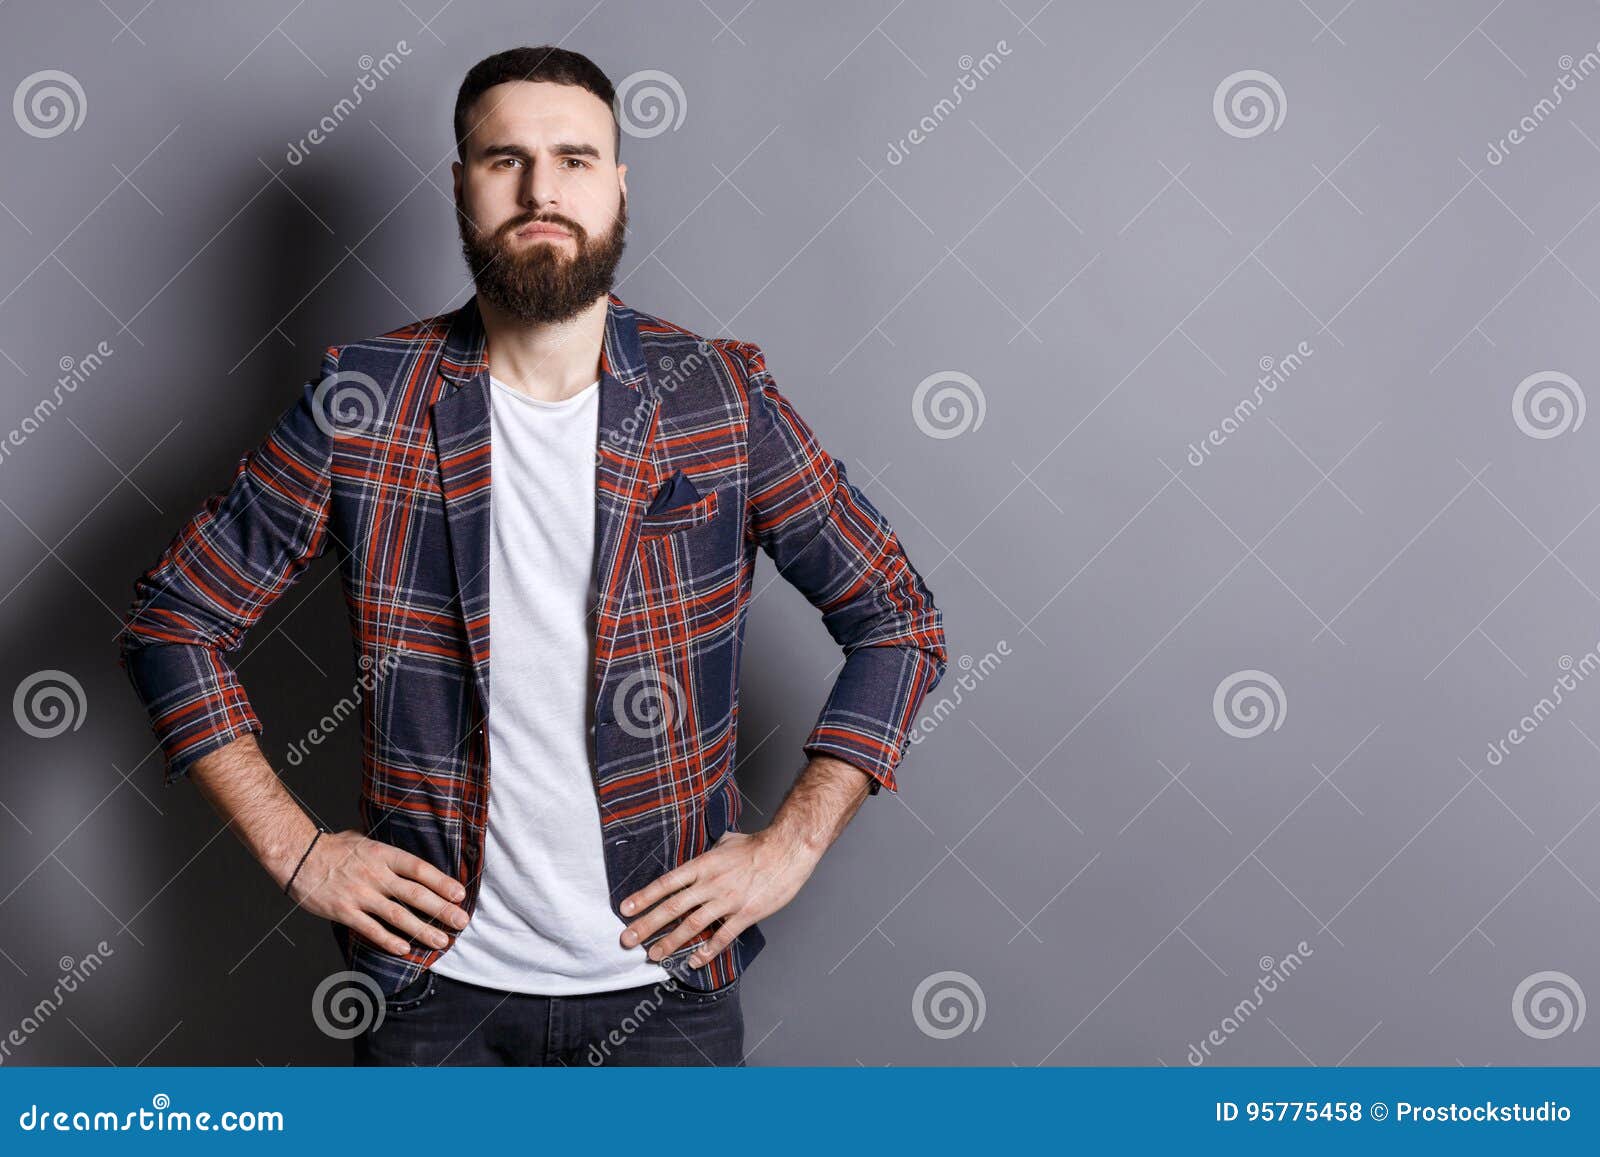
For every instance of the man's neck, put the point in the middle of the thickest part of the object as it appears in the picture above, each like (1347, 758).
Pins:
(549, 361)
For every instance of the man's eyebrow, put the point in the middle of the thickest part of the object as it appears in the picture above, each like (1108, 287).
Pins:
(560, 149)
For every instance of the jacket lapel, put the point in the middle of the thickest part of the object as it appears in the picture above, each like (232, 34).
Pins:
(462, 444)
(628, 404)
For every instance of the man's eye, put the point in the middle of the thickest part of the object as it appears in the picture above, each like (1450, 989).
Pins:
(576, 161)
(508, 161)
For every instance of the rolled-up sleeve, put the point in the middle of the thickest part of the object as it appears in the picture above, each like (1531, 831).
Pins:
(836, 548)
(226, 565)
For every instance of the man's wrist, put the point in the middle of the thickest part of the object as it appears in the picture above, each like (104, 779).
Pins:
(282, 855)
(792, 842)
(825, 794)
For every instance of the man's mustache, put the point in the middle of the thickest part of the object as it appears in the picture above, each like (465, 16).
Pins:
(560, 222)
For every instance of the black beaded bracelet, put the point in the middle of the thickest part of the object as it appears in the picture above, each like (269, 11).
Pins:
(302, 863)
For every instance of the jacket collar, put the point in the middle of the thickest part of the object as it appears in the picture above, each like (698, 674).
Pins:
(466, 346)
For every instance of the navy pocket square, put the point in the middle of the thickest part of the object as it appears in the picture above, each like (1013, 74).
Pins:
(676, 491)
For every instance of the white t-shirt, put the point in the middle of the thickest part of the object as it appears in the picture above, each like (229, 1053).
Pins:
(543, 922)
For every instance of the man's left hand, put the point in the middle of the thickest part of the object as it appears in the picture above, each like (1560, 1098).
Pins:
(740, 879)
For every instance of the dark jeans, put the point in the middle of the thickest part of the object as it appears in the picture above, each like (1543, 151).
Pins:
(440, 1021)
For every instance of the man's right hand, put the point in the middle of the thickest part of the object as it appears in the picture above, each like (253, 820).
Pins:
(376, 890)
(359, 882)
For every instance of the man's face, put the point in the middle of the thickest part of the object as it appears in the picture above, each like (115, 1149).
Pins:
(542, 202)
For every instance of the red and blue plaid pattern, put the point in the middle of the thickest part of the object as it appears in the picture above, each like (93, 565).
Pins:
(386, 460)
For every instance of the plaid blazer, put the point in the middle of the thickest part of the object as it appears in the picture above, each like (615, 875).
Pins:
(386, 459)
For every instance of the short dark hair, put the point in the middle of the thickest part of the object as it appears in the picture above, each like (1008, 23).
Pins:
(544, 62)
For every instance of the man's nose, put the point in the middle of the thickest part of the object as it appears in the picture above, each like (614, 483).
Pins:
(539, 187)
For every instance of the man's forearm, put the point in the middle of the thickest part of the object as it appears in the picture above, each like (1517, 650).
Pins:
(820, 803)
(240, 784)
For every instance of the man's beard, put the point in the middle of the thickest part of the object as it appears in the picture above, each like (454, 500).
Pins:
(535, 281)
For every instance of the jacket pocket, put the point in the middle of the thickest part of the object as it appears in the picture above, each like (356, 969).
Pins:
(677, 518)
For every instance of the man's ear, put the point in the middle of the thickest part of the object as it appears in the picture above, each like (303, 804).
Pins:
(622, 178)
(455, 177)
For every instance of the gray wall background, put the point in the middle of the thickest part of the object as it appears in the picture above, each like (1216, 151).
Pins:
(1105, 868)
